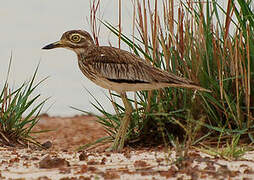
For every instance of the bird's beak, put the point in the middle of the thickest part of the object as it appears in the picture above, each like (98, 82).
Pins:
(54, 45)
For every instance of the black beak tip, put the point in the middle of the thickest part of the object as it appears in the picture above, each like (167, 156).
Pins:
(50, 46)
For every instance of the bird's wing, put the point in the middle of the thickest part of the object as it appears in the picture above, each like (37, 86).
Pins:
(122, 66)
(116, 65)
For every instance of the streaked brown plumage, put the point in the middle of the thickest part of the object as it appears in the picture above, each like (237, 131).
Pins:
(117, 70)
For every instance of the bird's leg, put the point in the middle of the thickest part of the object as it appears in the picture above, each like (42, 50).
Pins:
(126, 120)
(120, 136)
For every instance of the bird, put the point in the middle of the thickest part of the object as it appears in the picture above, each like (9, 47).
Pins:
(118, 70)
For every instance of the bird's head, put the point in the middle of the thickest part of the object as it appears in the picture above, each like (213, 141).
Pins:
(76, 40)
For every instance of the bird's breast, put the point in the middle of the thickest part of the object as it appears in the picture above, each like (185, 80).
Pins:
(88, 72)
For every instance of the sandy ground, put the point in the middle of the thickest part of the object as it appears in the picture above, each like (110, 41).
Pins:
(61, 161)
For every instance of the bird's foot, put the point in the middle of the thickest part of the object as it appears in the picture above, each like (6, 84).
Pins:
(118, 143)
(117, 146)
(111, 149)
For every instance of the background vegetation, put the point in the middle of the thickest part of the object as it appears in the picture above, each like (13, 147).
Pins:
(201, 41)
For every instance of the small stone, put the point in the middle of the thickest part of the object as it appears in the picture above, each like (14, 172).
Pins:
(49, 163)
(47, 145)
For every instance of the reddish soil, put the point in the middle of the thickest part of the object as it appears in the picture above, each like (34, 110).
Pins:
(61, 161)
(69, 133)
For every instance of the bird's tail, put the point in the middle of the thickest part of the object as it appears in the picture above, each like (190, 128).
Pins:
(191, 86)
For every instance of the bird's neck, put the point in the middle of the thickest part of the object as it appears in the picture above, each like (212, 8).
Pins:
(82, 52)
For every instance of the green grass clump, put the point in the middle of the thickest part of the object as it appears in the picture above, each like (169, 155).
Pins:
(15, 127)
(210, 45)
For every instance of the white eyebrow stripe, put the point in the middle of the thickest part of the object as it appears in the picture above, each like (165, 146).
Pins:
(82, 36)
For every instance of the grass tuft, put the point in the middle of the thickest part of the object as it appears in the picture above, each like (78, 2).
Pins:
(19, 112)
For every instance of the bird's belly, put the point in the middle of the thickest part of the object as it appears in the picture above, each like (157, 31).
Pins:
(124, 87)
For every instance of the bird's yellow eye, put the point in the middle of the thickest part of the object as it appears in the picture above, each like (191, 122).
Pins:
(75, 38)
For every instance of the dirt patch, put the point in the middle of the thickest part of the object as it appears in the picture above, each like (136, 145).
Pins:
(61, 161)
(69, 133)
